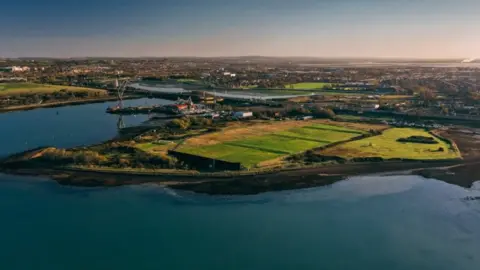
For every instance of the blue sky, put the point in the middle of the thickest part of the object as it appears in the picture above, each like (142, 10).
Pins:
(338, 28)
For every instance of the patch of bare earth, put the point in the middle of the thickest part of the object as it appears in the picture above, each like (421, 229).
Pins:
(467, 140)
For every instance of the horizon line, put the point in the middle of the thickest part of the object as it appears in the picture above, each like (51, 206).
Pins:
(248, 56)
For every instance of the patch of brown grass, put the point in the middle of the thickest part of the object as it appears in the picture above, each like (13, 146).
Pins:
(243, 130)
(359, 126)
(272, 162)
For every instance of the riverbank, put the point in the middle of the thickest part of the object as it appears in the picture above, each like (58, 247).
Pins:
(241, 184)
(118, 163)
(63, 103)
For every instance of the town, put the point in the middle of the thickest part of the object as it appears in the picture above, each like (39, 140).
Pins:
(424, 89)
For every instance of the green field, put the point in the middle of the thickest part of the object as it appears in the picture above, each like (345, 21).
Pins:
(278, 92)
(31, 88)
(253, 150)
(278, 144)
(386, 146)
(189, 81)
(309, 85)
(247, 156)
(251, 86)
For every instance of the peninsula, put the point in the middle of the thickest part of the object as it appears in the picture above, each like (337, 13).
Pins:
(251, 156)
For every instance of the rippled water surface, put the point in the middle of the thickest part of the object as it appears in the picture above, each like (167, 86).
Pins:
(394, 222)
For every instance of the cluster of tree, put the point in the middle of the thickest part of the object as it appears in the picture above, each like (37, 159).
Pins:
(222, 107)
(185, 123)
(320, 112)
(143, 159)
(64, 94)
(315, 110)
(296, 110)
(419, 139)
(83, 157)
(427, 95)
(134, 159)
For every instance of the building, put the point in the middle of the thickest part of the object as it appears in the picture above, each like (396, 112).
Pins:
(242, 114)
(14, 69)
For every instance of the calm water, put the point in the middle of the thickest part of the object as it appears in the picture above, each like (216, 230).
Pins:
(64, 126)
(371, 222)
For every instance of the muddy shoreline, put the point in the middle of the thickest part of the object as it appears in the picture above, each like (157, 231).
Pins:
(454, 172)
(462, 172)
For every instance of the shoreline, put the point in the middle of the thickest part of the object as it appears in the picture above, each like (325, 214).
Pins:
(63, 103)
(453, 172)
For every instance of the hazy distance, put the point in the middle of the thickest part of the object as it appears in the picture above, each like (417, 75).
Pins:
(348, 28)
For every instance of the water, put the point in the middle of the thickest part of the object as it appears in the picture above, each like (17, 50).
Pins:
(226, 94)
(64, 126)
(373, 222)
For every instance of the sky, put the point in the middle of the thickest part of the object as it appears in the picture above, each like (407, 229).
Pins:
(317, 28)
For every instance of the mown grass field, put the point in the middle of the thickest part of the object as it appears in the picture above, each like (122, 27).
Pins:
(34, 88)
(254, 145)
(386, 146)
(309, 85)
(247, 156)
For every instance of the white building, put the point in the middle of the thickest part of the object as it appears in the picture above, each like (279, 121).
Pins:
(15, 69)
(20, 69)
(242, 114)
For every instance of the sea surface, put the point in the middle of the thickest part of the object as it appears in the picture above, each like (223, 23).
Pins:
(366, 222)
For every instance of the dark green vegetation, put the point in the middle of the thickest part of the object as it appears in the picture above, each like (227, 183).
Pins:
(418, 139)
(29, 95)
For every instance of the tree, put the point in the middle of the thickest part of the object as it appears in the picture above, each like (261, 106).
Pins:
(445, 110)
(180, 123)
(320, 112)
(425, 94)
(88, 158)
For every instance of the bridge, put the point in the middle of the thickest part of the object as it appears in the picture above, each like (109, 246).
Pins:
(226, 94)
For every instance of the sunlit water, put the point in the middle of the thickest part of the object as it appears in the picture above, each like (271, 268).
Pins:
(374, 222)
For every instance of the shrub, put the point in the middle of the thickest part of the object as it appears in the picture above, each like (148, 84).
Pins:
(418, 139)
(321, 112)
(180, 123)
(89, 158)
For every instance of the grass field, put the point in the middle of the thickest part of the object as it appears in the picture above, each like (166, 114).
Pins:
(247, 156)
(30, 88)
(188, 81)
(309, 85)
(251, 86)
(256, 144)
(387, 147)
(278, 92)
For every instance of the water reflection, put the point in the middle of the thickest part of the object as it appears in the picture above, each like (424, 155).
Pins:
(65, 126)
(120, 122)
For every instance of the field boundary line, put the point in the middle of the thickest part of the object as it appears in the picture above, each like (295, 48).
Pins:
(335, 130)
(299, 138)
(258, 148)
